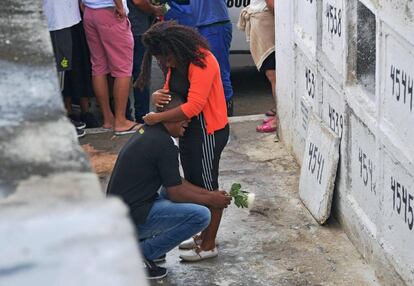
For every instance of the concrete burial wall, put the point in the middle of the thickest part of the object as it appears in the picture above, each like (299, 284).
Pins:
(56, 226)
(352, 64)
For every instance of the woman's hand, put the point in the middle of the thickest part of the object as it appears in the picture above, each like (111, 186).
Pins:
(161, 97)
(151, 118)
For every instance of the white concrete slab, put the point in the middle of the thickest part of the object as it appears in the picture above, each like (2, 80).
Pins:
(318, 170)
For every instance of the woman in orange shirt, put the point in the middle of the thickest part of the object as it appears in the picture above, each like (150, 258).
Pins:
(193, 74)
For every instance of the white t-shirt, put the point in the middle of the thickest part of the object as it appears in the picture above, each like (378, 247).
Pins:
(61, 13)
(257, 6)
(97, 4)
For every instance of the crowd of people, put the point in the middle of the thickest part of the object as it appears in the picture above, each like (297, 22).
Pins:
(101, 46)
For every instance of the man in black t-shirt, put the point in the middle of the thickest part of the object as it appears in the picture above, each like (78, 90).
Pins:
(148, 161)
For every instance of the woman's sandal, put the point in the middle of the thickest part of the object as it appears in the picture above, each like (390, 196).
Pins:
(271, 112)
(266, 127)
(197, 254)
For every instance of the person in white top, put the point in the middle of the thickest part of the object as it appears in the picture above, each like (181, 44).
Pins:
(61, 14)
(258, 21)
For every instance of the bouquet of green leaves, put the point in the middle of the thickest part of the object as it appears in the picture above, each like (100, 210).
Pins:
(242, 199)
(162, 3)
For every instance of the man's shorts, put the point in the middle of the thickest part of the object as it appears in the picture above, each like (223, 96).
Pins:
(62, 48)
(110, 42)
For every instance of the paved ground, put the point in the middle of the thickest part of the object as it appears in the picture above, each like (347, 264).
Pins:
(275, 243)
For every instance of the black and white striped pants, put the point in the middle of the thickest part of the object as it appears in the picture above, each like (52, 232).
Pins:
(200, 153)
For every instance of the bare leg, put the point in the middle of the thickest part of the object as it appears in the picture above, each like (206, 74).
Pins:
(84, 104)
(100, 87)
(68, 104)
(121, 92)
(271, 77)
(210, 233)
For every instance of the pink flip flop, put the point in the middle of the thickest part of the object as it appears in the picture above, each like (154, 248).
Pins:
(265, 128)
(271, 112)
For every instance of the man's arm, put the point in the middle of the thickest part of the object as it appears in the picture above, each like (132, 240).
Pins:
(147, 7)
(119, 8)
(189, 193)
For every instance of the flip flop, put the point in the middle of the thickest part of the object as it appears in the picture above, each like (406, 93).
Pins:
(265, 128)
(271, 112)
(269, 119)
(131, 130)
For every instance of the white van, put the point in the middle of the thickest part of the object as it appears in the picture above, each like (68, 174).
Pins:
(239, 50)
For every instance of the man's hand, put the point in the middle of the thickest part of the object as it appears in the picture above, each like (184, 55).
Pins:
(161, 97)
(151, 118)
(158, 11)
(219, 200)
(120, 13)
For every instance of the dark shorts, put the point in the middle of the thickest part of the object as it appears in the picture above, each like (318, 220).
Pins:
(200, 153)
(269, 63)
(62, 48)
(78, 81)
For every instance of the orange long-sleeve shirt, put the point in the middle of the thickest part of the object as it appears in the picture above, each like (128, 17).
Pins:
(205, 94)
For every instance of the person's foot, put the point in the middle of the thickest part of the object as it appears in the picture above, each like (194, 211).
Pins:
(89, 119)
(267, 127)
(160, 259)
(132, 129)
(79, 124)
(80, 133)
(190, 243)
(230, 108)
(197, 254)
(154, 271)
(271, 112)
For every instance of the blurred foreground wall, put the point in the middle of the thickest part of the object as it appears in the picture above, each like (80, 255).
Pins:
(56, 226)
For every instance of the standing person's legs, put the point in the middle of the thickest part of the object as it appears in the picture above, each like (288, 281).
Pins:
(168, 224)
(141, 97)
(200, 161)
(100, 67)
(268, 67)
(118, 42)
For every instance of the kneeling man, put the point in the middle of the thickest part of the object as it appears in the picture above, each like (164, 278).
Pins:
(148, 161)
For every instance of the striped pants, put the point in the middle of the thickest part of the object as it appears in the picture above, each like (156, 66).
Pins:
(200, 153)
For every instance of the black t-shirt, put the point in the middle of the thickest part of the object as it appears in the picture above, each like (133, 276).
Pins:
(147, 161)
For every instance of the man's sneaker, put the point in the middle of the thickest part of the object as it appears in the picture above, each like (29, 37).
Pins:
(78, 124)
(154, 271)
(80, 132)
(160, 259)
(89, 119)
(230, 107)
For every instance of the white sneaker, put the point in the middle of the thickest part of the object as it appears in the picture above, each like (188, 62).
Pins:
(189, 243)
(197, 254)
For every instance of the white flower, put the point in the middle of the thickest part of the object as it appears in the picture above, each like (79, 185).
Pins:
(250, 200)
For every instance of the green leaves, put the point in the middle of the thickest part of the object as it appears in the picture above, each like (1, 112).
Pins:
(239, 196)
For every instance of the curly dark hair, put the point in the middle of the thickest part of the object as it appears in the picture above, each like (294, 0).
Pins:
(167, 38)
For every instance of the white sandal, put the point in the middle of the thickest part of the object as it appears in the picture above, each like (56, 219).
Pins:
(190, 243)
(196, 254)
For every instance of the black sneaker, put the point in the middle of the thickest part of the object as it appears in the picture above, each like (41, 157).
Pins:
(160, 259)
(154, 271)
(89, 119)
(230, 107)
(80, 132)
(78, 124)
